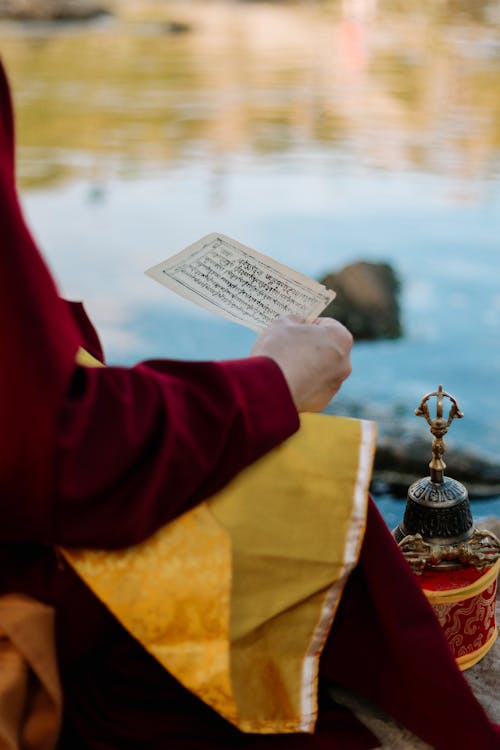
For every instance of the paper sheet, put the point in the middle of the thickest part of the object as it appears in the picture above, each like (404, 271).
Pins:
(239, 283)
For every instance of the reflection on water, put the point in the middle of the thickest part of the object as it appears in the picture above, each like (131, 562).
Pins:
(393, 85)
(319, 132)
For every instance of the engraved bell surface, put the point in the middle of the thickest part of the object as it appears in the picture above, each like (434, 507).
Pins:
(439, 512)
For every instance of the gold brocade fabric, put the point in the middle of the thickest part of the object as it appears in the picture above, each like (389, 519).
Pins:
(235, 597)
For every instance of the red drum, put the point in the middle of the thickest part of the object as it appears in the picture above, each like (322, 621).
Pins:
(464, 601)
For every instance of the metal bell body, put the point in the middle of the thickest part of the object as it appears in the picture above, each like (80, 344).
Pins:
(439, 512)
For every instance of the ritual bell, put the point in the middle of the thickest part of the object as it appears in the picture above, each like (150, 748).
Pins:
(456, 563)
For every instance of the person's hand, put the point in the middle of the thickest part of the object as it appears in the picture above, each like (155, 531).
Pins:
(314, 357)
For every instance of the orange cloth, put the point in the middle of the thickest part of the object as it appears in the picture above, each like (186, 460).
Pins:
(30, 693)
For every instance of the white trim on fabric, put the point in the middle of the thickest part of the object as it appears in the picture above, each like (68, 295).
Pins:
(332, 598)
(368, 435)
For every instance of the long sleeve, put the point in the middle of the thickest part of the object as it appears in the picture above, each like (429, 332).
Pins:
(139, 446)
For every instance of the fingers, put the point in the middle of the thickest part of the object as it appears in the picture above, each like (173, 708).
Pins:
(293, 318)
(314, 357)
(341, 336)
(339, 331)
(283, 320)
(331, 323)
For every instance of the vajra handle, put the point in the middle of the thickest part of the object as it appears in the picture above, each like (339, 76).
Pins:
(438, 427)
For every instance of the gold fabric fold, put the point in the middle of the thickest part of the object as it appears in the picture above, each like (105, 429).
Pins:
(236, 597)
(30, 693)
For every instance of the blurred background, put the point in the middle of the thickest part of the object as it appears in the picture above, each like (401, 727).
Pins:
(320, 132)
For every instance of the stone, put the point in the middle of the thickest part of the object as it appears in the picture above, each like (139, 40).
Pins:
(367, 300)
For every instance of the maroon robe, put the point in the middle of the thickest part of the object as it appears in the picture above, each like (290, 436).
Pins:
(104, 457)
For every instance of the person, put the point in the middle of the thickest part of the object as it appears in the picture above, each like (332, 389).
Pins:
(103, 457)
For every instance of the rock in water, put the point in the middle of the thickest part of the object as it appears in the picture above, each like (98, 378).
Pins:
(367, 300)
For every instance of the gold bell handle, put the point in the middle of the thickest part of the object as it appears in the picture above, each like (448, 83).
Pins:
(438, 427)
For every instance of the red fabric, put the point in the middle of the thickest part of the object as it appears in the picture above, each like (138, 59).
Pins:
(451, 579)
(103, 457)
(38, 341)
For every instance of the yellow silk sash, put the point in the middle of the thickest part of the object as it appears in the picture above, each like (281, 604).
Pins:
(235, 598)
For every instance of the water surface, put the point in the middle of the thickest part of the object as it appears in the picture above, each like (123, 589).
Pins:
(318, 132)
